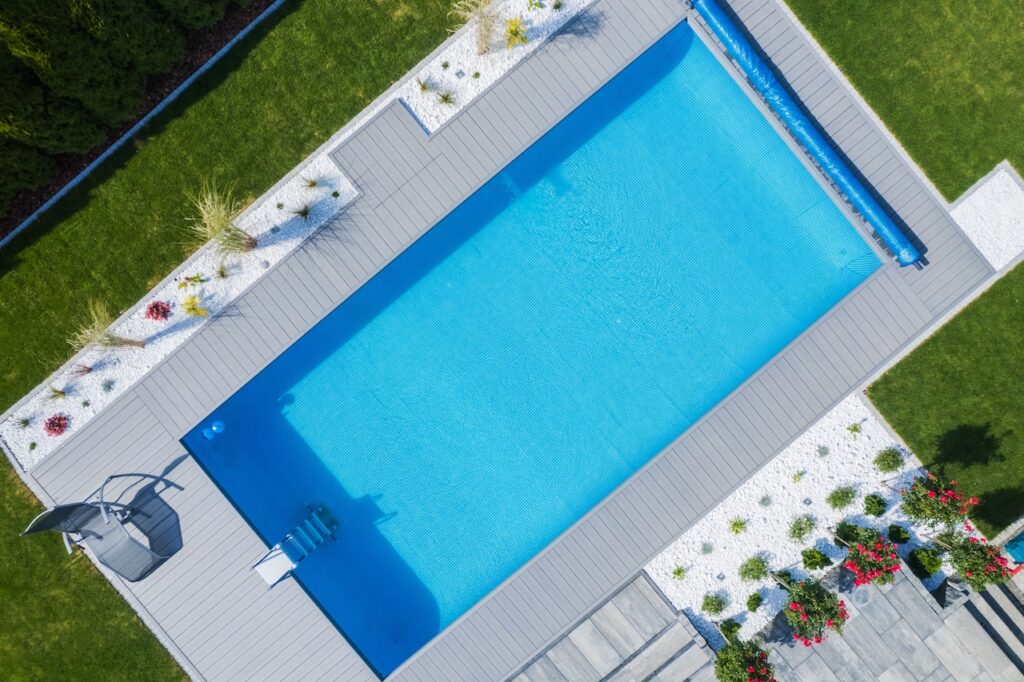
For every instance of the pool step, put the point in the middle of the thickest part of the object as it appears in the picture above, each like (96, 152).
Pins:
(1002, 616)
(634, 636)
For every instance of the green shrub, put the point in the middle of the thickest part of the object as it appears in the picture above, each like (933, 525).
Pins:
(813, 610)
(814, 560)
(875, 505)
(979, 565)
(754, 568)
(889, 460)
(735, 660)
(934, 502)
(801, 527)
(840, 498)
(713, 604)
(850, 534)
(924, 562)
(754, 602)
(678, 572)
(737, 525)
(729, 628)
(898, 534)
(784, 578)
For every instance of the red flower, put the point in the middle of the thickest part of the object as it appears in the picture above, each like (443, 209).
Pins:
(57, 424)
(750, 668)
(158, 310)
(795, 606)
(931, 493)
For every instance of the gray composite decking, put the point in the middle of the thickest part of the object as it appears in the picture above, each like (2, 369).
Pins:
(219, 618)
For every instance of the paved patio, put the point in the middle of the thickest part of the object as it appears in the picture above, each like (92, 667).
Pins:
(217, 617)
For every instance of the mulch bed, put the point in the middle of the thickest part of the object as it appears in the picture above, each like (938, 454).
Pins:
(200, 45)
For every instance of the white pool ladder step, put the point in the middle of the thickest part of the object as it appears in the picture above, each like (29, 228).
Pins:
(278, 563)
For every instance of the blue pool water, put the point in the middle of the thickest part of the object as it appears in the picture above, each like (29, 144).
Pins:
(535, 348)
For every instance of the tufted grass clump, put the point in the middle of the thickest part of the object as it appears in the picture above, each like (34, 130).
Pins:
(801, 527)
(841, 497)
(96, 331)
(213, 220)
(515, 33)
(678, 572)
(713, 604)
(483, 14)
(753, 569)
(889, 460)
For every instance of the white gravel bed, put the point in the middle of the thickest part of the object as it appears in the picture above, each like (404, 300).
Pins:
(992, 215)
(830, 456)
(456, 69)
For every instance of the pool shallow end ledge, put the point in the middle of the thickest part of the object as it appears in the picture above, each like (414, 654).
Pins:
(792, 115)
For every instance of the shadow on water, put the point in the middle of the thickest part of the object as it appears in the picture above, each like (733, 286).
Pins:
(360, 581)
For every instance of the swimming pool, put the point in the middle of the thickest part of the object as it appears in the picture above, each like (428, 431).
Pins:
(535, 348)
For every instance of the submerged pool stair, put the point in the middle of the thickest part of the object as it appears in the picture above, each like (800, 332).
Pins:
(279, 562)
(636, 635)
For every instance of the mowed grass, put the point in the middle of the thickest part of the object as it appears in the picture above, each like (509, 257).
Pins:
(957, 401)
(946, 76)
(273, 100)
(61, 620)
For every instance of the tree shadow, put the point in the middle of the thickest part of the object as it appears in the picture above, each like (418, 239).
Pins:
(969, 445)
(999, 508)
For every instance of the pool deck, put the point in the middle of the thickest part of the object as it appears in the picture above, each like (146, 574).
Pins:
(218, 618)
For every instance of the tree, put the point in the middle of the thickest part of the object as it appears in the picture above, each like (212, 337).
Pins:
(32, 115)
(92, 51)
(21, 167)
(193, 13)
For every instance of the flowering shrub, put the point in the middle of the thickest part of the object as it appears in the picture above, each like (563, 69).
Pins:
(57, 424)
(158, 310)
(812, 610)
(979, 564)
(743, 662)
(873, 562)
(930, 501)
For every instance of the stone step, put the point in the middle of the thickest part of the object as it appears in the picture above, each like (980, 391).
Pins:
(993, 623)
(1011, 609)
(655, 655)
(969, 629)
(685, 665)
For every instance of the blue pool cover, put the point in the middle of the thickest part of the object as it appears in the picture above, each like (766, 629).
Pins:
(536, 347)
(794, 118)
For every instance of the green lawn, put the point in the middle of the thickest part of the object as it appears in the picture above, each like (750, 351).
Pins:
(61, 620)
(944, 75)
(272, 101)
(957, 401)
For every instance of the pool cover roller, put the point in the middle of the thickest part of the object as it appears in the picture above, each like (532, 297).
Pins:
(804, 130)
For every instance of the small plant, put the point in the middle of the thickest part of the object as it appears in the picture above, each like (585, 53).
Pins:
(80, 370)
(934, 503)
(96, 331)
(898, 534)
(86, 403)
(515, 33)
(924, 562)
(754, 602)
(706, 548)
(801, 527)
(280, 205)
(484, 14)
(729, 629)
(841, 498)
(423, 85)
(556, 5)
(58, 393)
(678, 572)
(889, 460)
(854, 429)
(31, 446)
(534, 4)
(335, 194)
(476, 75)
(740, 661)
(875, 505)
(713, 604)
(193, 306)
(798, 475)
(812, 611)
(446, 98)
(873, 561)
(815, 560)
(107, 385)
(979, 564)
(223, 270)
(56, 424)
(737, 525)
(753, 569)
(214, 221)
(311, 182)
(158, 310)
(444, 66)
(765, 501)
(25, 422)
(191, 282)
(303, 211)
(823, 451)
